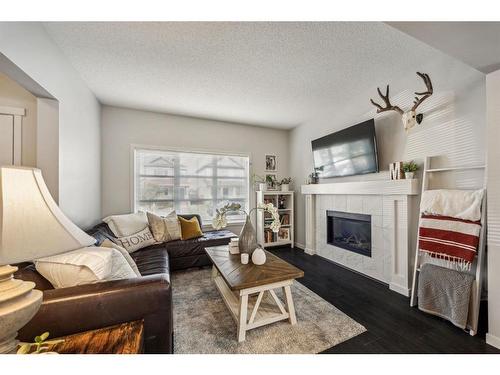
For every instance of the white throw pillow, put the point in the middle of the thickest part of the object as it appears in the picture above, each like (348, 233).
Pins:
(137, 240)
(125, 225)
(166, 228)
(84, 266)
(110, 244)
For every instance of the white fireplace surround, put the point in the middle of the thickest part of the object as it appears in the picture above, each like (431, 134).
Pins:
(393, 206)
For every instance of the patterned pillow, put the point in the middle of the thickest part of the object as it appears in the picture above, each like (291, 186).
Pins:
(166, 228)
(137, 240)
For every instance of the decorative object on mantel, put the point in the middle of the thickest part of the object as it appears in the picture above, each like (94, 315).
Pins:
(248, 238)
(409, 118)
(313, 178)
(396, 170)
(258, 257)
(271, 164)
(32, 226)
(409, 169)
(244, 258)
(259, 181)
(285, 183)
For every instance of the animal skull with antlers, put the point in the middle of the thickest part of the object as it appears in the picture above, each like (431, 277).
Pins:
(410, 118)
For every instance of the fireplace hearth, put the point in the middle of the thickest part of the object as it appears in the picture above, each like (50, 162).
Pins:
(349, 231)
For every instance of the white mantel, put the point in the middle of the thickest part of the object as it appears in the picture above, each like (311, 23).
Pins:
(377, 187)
(393, 206)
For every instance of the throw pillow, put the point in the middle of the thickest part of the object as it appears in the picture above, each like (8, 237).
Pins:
(166, 228)
(137, 240)
(110, 244)
(190, 228)
(126, 225)
(84, 266)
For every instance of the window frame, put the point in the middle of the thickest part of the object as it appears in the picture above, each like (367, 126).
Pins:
(141, 147)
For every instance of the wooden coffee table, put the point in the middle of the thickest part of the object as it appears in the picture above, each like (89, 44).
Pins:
(243, 288)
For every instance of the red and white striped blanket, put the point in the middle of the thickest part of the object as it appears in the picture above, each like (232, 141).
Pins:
(449, 238)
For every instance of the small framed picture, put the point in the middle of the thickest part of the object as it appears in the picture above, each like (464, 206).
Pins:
(271, 163)
(284, 234)
(271, 181)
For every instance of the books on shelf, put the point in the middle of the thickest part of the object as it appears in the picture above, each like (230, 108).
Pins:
(269, 236)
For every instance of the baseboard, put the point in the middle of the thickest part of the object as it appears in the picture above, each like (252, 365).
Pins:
(399, 289)
(309, 251)
(493, 340)
(300, 246)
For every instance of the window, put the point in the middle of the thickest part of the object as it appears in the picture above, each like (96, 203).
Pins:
(190, 182)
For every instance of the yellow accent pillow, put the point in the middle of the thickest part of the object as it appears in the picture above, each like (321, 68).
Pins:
(190, 228)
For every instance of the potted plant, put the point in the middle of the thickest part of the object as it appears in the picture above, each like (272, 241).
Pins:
(285, 183)
(409, 169)
(259, 181)
(248, 238)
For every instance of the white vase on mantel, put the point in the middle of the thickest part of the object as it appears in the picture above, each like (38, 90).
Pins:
(285, 187)
(409, 175)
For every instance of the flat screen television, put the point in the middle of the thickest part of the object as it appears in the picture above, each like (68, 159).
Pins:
(348, 152)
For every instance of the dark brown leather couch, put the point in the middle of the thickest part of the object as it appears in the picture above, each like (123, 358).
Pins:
(81, 308)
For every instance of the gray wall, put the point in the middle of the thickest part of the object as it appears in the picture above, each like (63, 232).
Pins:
(454, 126)
(123, 127)
(29, 47)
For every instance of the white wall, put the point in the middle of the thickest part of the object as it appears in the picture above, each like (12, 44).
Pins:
(47, 152)
(493, 114)
(454, 126)
(122, 127)
(13, 95)
(29, 47)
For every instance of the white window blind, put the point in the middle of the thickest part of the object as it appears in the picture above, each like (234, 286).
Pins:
(190, 182)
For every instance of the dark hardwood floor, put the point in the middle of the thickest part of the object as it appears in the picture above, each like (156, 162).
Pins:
(392, 325)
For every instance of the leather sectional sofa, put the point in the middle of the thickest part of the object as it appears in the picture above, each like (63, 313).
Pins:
(76, 309)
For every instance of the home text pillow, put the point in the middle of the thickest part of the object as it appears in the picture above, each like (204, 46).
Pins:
(137, 240)
(190, 228)
(84, 266)
(166, 228)
(125, 225)
(110, 244)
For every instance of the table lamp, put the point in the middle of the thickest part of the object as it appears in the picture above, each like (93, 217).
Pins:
(31, 226)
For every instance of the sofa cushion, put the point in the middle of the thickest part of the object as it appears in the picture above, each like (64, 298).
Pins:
(152, 260)
(190, 228)
(196, 246)
(128, 224)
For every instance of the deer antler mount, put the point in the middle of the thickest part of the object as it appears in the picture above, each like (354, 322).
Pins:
(409, 118)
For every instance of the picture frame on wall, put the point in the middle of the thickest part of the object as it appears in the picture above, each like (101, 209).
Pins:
(271, 163)
(271, 181)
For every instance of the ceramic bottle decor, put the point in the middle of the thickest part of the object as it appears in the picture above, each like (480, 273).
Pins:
(258, 257)
(248, 237)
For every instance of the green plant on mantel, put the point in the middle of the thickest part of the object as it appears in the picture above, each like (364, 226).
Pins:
(410, 167)
(40, 345)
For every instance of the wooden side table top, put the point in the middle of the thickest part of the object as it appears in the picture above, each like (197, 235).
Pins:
(126, 338)
(242, 276)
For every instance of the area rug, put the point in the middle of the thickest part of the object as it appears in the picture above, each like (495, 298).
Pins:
(202, 323)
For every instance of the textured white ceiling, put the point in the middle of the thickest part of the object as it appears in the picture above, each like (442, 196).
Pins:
(475, 43)
(269, 74)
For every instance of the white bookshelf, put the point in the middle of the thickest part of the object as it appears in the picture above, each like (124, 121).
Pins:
(286, 213)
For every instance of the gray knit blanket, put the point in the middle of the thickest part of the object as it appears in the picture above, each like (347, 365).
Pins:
(445, 293)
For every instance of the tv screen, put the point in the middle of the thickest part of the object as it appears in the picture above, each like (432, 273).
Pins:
(347, 152)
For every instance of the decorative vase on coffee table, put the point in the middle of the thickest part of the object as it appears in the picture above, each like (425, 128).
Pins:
(248, 237)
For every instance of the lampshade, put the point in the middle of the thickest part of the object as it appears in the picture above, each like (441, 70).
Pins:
(31, 224)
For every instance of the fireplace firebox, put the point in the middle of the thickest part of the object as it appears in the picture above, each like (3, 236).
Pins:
(350, 231)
